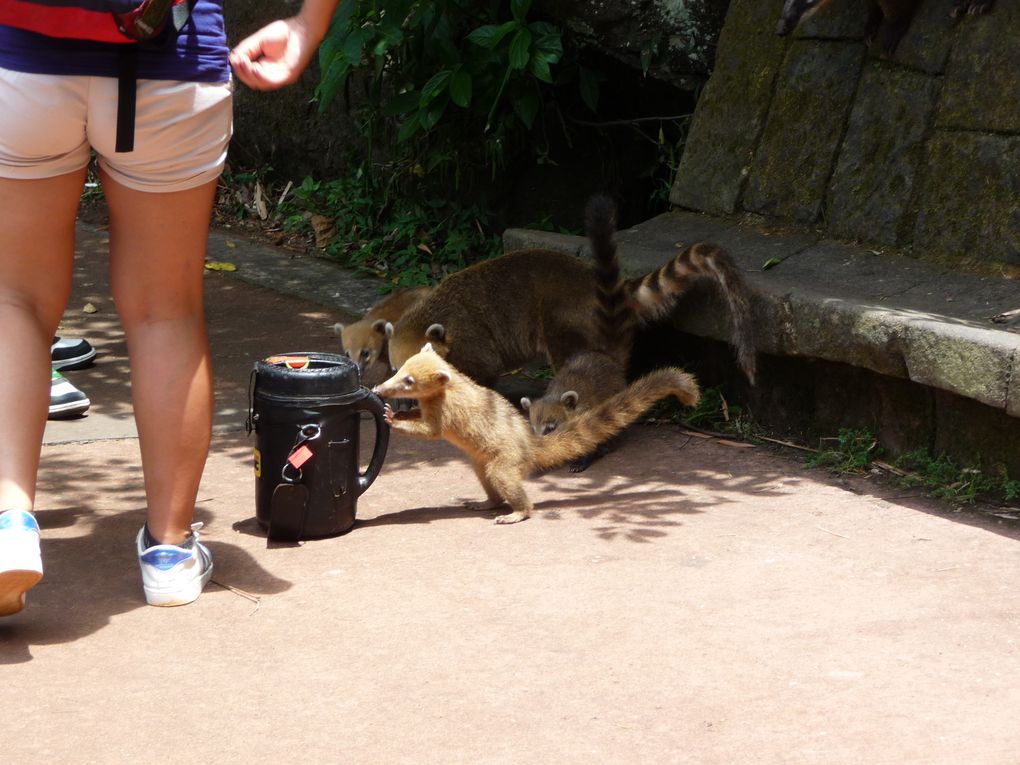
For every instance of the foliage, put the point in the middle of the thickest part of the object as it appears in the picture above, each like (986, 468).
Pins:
(405, 240)
(482, 71)
(852, 453)
(712, 413)
(944, 479)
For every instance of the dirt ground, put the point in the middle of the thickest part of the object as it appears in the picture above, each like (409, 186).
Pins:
(682, 601)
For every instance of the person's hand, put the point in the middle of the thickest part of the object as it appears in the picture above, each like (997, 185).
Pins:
(274, 56)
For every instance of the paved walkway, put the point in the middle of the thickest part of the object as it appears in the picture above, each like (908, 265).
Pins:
(684, 600)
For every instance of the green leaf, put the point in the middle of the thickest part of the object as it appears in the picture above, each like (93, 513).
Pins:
(526, 108)
(770, 263)
(519, 9)
(539, 67)
(333, 80)
(430, 117)
(434, 86)
(460, 89)
(490, 35)
(519, 48)
(547, 38)
(408, 129)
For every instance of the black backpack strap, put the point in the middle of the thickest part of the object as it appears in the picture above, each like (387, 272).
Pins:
(127, 77)
(127, 96)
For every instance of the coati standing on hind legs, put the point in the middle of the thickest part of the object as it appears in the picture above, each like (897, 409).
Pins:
(593, 375)
(497, 439)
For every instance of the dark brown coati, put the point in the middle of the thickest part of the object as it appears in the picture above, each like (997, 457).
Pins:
(577, 383)
(497, 439)
(896, 15)
(364, 341)
(501, 313)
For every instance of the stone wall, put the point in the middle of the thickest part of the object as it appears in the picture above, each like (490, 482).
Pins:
(919, 152)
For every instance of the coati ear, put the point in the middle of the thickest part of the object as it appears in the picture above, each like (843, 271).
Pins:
(338, 328)
(442, 378)
(569, 399)
(526, 404)
(436, 332)
(389, 329)
(427, 348)
(381, 325)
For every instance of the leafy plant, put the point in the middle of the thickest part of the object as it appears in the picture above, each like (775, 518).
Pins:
(481, 69)
(944, 479)
(852, 453)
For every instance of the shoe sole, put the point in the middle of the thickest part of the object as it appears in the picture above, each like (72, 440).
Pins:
(64, 411)
(13, 586)
(75, 362)
(179, 596)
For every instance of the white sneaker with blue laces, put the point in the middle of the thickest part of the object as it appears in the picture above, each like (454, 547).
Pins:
(172, 575)
(20, 561)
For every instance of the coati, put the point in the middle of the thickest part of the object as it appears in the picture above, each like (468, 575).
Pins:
(591, 376)
(895, 13)
(364, 341)
(497, 439)
(595, 374)
(501, 313)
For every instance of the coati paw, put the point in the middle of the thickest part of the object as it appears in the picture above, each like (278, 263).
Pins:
(515, 517)
(970, 8)
(388, 414)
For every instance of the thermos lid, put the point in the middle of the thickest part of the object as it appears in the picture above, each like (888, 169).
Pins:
(302, 374)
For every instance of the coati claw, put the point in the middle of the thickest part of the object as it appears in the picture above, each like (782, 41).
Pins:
(514, 517)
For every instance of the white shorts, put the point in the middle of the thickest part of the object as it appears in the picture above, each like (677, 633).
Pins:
(48, 123)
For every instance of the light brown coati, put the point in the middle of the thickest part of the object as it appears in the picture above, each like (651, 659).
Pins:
(364, 341)
(895, 13)
(497, 439)
(501, 313)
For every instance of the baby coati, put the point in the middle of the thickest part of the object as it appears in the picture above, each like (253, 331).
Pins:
(365, 340)
(497, 439)
(595, 374)
(501, 313)
(895, 13)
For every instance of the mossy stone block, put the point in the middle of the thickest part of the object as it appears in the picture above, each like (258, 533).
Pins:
(727, 123)
(795, 157)
(880, 160)
(982, 90)
(927, 43)
(840, 19)
(970, 201)
(753, 16)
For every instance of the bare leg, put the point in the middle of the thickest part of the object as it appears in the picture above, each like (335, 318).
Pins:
(157, 254)
(36, 264)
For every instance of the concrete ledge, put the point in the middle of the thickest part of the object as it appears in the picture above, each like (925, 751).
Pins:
(829, 300)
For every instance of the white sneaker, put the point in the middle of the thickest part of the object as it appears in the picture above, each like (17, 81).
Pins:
(20, 561)
(66, 400)
(172, 575)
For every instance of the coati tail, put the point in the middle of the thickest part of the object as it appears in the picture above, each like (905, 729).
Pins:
(654, 295)
(614, 316)
(581, 435)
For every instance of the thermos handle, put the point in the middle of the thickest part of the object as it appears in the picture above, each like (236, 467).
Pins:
(373, 404)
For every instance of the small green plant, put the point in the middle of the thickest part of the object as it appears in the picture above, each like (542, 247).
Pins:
(712, 413)
(852, 452)
(405, 240)
(943, 478)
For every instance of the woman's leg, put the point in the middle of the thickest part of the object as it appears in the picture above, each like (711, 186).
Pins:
(36, 264)
(157, 254)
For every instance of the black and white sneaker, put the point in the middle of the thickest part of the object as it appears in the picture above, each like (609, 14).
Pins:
(65, 399)
(68, 353)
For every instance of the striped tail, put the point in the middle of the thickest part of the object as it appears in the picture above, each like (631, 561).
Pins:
(654, 295)
(581, 435)
(614, 316)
